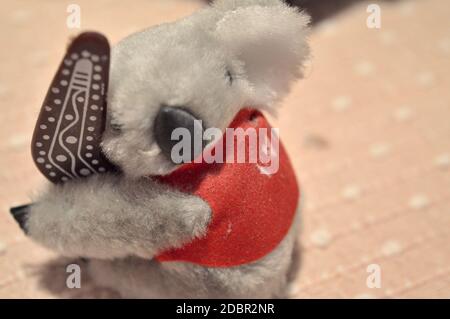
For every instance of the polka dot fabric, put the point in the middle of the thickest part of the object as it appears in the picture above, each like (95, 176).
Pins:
(367, 131)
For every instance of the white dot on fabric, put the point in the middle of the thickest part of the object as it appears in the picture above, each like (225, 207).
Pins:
(97, 68)
(93, 118)
(63, 83)
(94, 107)
(351, 192)
(387, 37)
(52, 174)
(101, 169)
(364, 68)
(425, 79)
(90, 129)
(444, 45)
(48, 108)
(57, 101)
(442, 161)
(320, 238)
(69, 117)
(89, 138)
(95, 86)
(43, 126)
(65, 72)
(55, 90)
(97, 77)
(402, 114)
(419, 201)
(39, 144)
(85, 54)
(391, 247)
(95, 162)
(95, 58)
(40, 160)
(51, 119)
(341, 103)
(2, 248)
(74, 56)
(379, 149)
(46, 137)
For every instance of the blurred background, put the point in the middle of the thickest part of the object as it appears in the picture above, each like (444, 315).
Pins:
(368, 131)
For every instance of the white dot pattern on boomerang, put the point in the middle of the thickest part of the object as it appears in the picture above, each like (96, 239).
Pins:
(91, 129)
(64, 179)
(52, 174)
(40, 160)
(71, 140)
(95, 97)
(43, 126)
(85, 172)
(42, 153)
(55, 90)
(89, 138)
(39, 144)
(57, 101)
(65, 72)
(69, 117)
(74, 56)
(61, 158)
(51, 119)
(93, 118)
(94, 107)
(97, 68)
(95, 162)
(85, 54)
(95, 86)
(68, 62)
(97, 77)
(47, 108)
(80, 99)
(89, 147)
(48, 166)
(101, 169)
(89, 155)
(95, 58)
(46, 137)
(64, 82)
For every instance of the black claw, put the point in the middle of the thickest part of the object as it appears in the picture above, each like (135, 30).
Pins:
(20, 214)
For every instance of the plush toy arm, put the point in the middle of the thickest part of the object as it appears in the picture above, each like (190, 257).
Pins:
(109, 217)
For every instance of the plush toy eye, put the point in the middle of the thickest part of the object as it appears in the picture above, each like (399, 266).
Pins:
(116, 127)
(229, 76)
(170, 118)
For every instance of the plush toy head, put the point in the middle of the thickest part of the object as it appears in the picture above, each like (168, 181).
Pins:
(206, 67)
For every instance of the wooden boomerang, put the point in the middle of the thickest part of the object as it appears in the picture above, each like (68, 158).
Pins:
(67, 136)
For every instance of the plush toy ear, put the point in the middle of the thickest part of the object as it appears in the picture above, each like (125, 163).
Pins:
(269, 38)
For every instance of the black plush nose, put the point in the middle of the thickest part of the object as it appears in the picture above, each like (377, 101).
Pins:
(170, 118)
(20, 214)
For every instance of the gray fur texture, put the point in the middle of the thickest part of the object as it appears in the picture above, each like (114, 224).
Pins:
(121, 222)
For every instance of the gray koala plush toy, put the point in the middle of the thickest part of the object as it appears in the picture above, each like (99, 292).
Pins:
(143, 236)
